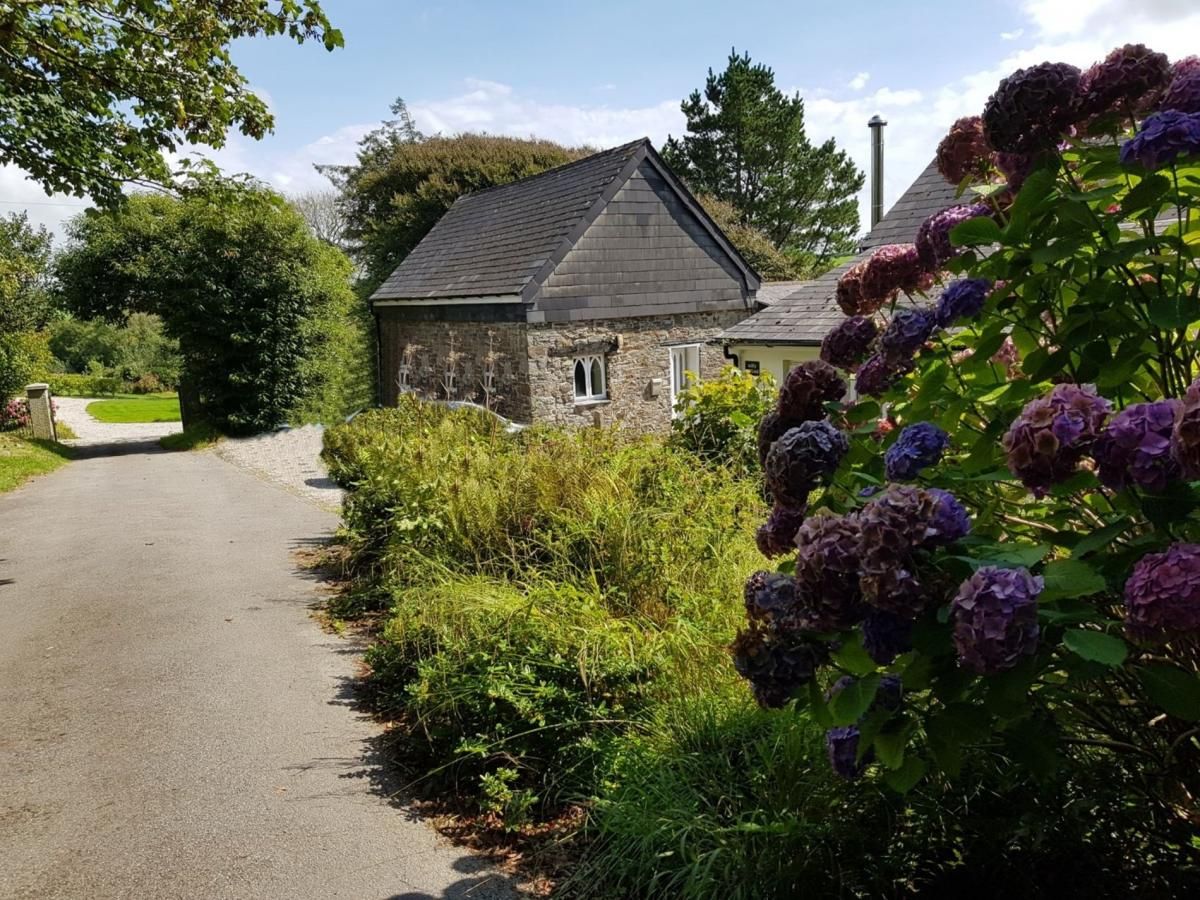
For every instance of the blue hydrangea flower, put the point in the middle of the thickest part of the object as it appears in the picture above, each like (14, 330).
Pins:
(950, 521)
(842, 746)
(962, 299)
(919, 446)
(886, 636)
(1163, 137)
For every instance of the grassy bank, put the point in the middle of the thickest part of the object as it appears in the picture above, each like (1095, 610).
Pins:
(22, 459)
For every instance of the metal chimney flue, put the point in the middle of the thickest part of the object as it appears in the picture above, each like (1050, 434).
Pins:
(876, 125)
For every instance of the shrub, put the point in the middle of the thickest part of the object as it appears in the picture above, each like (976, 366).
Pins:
(65, 385)
(14, 415)
(1049, 408)
(718, 419)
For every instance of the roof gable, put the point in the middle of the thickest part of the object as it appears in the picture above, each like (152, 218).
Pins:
(810, 312)
(506, 240)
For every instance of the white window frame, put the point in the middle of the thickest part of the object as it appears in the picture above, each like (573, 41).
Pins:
(681, 350)
(594, 394)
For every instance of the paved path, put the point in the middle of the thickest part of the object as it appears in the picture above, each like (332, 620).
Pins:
(172, 722)
(73, 411)
(289, 458)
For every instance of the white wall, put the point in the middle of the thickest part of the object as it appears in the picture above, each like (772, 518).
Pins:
(774, 359)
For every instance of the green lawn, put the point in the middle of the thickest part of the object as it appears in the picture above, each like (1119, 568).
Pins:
(22, 459)
(144, 408)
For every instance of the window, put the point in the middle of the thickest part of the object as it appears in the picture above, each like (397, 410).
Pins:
(685, 360)
(589, 379)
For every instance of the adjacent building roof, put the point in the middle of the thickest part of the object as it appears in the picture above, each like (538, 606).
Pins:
(771, 292)
(809, 312)
(505, 240)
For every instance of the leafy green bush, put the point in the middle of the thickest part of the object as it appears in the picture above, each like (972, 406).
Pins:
(66, 385)
(718, 419)
(255, 300)
(1025, 560)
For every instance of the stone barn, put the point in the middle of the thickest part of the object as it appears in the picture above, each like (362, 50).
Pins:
(586, 294)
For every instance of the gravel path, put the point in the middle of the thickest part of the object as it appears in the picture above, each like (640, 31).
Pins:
(173, 724)
(73, 411)
(289, 458)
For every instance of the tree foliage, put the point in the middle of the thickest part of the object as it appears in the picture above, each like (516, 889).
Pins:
(24, 300)
(94, 92)
(746, 144)
(403, 182)
(236, 277)
(771, 263)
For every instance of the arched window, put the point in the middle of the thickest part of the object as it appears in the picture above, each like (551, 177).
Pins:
(589, 378)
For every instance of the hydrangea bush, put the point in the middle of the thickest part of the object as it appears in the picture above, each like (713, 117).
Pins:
(1016, 555)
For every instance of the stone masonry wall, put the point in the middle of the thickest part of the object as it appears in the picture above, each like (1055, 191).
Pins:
(429, 345)
(638, 372)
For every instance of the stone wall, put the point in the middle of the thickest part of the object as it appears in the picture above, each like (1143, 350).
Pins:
(428, 345)
(638, 371)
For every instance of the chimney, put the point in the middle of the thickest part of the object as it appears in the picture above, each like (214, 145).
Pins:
(876, 125)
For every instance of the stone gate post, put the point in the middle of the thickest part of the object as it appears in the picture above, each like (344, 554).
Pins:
(41, 417)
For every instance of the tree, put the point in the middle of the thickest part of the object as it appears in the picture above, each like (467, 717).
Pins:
(771, 263)
(24, 305)
(323, 213)
(24, 271)
(236, 277)
(94, 92)
(747, 145)
(403, 182)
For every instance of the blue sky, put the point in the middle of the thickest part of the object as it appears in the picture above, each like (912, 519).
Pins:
(605, 73)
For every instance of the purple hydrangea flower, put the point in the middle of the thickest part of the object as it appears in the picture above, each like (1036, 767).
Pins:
(801, 458)
(1162, 595)
(962, 299)
(892, 268)
(918, 446)
(950, 521)
(891, 526)
(1053, 433)
(842, 745)
(1163, 137)
(777, 535)
(849, 343)
(1032, 108)
(1136, 447)
(827, 573)
(905, 335)
(770, 597)
(876, 377)
(963, 152)
(933, 237)
(806, 390)
(1185, 437)
(1126, 80)
(1015, 167)
(776, 664)
(850, 292)
(771, 429)
(1183, 91)
(995, 619)
(886, 636)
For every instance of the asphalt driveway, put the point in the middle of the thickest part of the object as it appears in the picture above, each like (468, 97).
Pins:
(172, 721)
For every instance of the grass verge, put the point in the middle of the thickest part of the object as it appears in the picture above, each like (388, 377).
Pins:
(22, 459)
(147, 408)
(195, 438)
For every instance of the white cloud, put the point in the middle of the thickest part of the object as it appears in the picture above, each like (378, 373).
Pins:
(22, 194)
(859, 81)
(1069, 17)
(1011, 35)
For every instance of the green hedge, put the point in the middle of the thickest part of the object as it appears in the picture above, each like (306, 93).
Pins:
(66, 385)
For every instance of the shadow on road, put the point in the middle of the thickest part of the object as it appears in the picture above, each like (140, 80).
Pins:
(115, 448)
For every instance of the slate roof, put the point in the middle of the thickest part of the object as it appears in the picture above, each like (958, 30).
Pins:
(505, 240)
(770, 292)
(807, 314)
